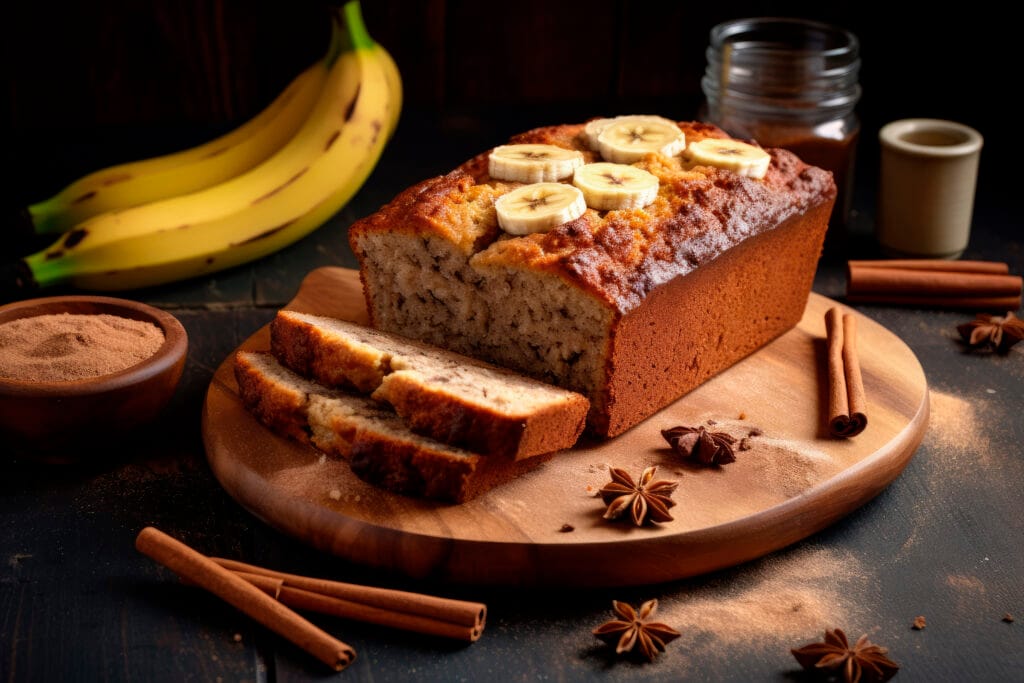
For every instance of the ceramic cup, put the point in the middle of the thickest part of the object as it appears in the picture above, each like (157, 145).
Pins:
(929, 170)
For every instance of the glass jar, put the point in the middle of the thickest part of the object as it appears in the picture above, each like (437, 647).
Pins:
(789, 83)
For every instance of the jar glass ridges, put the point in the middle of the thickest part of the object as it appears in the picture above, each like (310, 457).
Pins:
(789, 83)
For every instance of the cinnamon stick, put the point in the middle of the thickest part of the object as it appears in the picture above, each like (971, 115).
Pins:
(992, 267)
(973, 303)
(346, 609)
(459, 612)
(202, 571)
(847, 414)
(979, 285)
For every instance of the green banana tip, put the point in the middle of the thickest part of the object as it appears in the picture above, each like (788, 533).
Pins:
(349, 31)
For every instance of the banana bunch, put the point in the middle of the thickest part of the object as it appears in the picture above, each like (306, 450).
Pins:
(242, 196)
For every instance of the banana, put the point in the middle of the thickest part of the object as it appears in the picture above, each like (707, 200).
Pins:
(594, 128)
(732, 155)
(532, 163)
(538, 207)
(394, 78)
(628, 140)
(148, 180)
(607, 186)
(273, 205)
(250, 189)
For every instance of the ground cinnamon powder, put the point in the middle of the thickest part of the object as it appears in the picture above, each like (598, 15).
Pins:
(63, 347)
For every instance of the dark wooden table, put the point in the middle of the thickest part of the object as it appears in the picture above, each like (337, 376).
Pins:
(944, 541)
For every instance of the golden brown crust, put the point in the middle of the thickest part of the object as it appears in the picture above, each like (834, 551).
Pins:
(280, 408)
(298, 348)
(717, 266)
(450, 419)
(617, 256)
(696, 326)
(403, 467)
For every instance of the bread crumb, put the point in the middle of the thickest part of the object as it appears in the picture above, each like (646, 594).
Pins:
(334, 494)
(919, 623)
(566, 528)
(742, 415)
(237, 637)
(1008, 618)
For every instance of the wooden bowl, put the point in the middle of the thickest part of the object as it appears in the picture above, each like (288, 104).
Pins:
(64, 421)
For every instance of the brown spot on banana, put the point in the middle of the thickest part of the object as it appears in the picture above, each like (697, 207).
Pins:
(115, 179)
(217, 152)
(74, 237)
(262, 235)
(51, 255)
(331, 139)
(351, 106)
(85, 197)
(281, 186)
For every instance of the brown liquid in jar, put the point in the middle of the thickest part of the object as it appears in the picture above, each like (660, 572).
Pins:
(831, 154)
(789, 83)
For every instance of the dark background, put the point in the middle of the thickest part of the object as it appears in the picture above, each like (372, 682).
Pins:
(88, 84)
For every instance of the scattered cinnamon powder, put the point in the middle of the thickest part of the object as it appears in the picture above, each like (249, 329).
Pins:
(64, 347)
(952, 419)
(780, 599)
(919, 623)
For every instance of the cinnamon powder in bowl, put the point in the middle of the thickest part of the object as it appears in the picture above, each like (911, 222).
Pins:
(74, 369)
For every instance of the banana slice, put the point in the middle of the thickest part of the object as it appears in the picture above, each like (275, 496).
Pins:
(732, 155)
(608, 187)
(539, 207)
(626, 141)
(594, 128)
(533, 163)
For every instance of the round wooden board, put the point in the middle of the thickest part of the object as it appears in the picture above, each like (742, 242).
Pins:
(792, 481)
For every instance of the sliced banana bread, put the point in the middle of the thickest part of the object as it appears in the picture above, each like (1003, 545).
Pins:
(377, 443)
(449, 397)
(632, 307)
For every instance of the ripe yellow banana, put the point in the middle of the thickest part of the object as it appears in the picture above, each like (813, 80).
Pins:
(148, 180)
(279, 201)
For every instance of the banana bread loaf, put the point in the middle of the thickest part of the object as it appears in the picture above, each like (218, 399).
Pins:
(449, 397)
(631, 307)
(378, 445)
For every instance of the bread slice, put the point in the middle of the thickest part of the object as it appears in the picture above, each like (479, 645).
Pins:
(377, 443)
(449, 397)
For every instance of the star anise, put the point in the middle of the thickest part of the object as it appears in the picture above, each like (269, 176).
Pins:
(998, 332)
(865, 661)
(632, 628)
(697, 443)
(644, 500)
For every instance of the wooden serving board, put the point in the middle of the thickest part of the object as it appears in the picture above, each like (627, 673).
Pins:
(793, 481)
